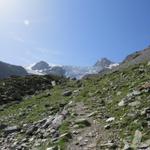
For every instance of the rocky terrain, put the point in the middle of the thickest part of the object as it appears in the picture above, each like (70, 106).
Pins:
(109, 111)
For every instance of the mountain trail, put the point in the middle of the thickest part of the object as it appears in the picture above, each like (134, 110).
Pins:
(90, 137)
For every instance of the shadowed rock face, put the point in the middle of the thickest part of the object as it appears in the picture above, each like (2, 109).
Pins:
(7, 70)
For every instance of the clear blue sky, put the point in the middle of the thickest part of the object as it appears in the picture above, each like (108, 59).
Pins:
(73, 32)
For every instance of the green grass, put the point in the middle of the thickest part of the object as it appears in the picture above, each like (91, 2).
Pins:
(34, 108)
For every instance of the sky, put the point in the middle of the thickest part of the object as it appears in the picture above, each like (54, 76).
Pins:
(72, 32)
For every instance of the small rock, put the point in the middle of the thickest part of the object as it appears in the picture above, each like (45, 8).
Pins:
(143, 146)
(48, 122)
(118, 93)
(52, 131)
(134, 104)
(121, 103)
(126, 146)
(53, 83)
(67, 93)
(86, 140)
(75, 132)
(144, 111)
(148, 64)
(137, 139)
(110, 145)
(52, 148)
(108, 126)
(136, 93)
(83, 122)
(111, 119)
(92, 114)
(31, 130)
(47, 94)
(80, 138)
(92, 146)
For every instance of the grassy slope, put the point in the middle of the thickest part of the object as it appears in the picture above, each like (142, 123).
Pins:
(97, 92)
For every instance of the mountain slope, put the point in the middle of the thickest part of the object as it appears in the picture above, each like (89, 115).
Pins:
(7, 70)
(136, 58)
(108, 111)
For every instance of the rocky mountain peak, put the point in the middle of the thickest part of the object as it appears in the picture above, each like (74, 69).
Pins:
(103, 62)
(41, 66)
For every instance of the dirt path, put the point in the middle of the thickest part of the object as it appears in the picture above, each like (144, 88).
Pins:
(88, 137)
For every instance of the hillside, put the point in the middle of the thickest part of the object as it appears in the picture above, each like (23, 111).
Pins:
(15, 88)
(7, 70)
(136, 58)
(108, 111)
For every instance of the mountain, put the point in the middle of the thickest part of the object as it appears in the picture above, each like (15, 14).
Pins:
(136, 58)
(103, 112)
(7, 70)
(43, 68)
(42, 65)
(103, 64)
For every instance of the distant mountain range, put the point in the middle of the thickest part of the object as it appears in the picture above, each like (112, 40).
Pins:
(42, 68)
(102, 65)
